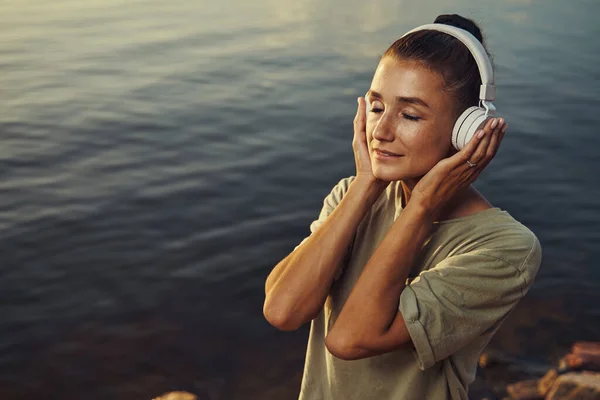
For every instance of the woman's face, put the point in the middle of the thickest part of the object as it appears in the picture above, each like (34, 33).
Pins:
(411, 116)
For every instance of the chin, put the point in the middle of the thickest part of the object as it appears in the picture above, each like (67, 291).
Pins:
(389, 174)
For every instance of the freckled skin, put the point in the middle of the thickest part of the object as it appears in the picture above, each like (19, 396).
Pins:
(422, 143)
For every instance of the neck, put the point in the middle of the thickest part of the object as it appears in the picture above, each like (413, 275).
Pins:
(407, 188)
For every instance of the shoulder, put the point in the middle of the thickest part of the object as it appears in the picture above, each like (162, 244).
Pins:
(496, 234)
(512, 241)
(339, 190)
(343, 185)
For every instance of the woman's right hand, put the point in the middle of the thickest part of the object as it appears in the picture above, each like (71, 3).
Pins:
(364, 170)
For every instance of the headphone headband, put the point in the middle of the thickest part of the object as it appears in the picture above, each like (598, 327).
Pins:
(487, 91)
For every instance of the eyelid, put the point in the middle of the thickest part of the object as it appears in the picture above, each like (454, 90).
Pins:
(411, 117)
(378, 109)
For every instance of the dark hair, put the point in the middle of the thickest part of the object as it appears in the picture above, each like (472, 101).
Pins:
(446, 55)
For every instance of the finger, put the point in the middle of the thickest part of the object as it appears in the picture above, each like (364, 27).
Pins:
(468, 152)
(461, 157)
(490, 151)
(504, 129)
(501, 136)
(360, 118)
(498, 136)
(359, 143)
(493, 145)
(492, 148)
(359, 140)
(481, 150)
(501, 125)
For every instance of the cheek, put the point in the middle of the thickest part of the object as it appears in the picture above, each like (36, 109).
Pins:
(428, 143)
(369, 135)
(417, 136)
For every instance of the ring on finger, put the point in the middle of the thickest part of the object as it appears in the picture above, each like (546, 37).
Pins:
(471, 164)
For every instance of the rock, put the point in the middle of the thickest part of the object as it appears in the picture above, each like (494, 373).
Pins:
(547, 381)
(586, 347)
(177, 396)
(578, 361)
(576, 386)
(525, 390)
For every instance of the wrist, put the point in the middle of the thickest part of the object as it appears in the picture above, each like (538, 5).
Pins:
(420, 211)
(370, 188)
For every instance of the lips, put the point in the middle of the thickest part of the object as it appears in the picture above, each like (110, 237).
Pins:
(386, 152)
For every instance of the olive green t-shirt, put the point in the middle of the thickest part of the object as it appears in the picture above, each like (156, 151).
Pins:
(468, 277)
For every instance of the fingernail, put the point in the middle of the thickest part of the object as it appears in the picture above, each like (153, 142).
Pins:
(358, 100)
(479, 134)
(494, 123)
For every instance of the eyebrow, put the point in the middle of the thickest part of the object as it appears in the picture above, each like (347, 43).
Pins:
(402, 99)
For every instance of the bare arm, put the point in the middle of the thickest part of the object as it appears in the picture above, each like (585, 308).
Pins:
(370, 323)
(296, 289)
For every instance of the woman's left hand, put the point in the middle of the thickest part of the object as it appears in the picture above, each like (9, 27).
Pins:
(454, 173)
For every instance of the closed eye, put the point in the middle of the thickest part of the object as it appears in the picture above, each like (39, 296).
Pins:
(410, 117)
(404, 115)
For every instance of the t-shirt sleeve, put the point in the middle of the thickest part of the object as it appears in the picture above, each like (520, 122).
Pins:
(461, 298)
(329, 204)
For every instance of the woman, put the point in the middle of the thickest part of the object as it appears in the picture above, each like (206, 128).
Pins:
(409, 271)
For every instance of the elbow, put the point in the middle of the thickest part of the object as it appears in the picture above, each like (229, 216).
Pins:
(343, 347)
(354, 346)
(279, 318)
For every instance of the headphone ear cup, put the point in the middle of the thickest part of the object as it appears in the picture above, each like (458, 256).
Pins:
(466, 125)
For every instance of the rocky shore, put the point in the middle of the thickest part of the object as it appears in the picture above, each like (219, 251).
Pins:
(576, 377)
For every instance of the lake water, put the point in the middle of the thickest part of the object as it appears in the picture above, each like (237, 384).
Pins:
(157, 159)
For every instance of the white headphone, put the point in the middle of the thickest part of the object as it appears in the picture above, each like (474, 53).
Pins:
(473, 118)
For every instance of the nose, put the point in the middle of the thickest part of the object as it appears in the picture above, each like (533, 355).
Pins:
(384, 129)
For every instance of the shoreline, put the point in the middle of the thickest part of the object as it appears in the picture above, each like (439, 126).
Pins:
(575, 376)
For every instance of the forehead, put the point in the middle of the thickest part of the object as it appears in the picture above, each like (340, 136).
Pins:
(409, 79)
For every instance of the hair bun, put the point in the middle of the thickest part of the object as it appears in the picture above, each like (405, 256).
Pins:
(460, 22)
